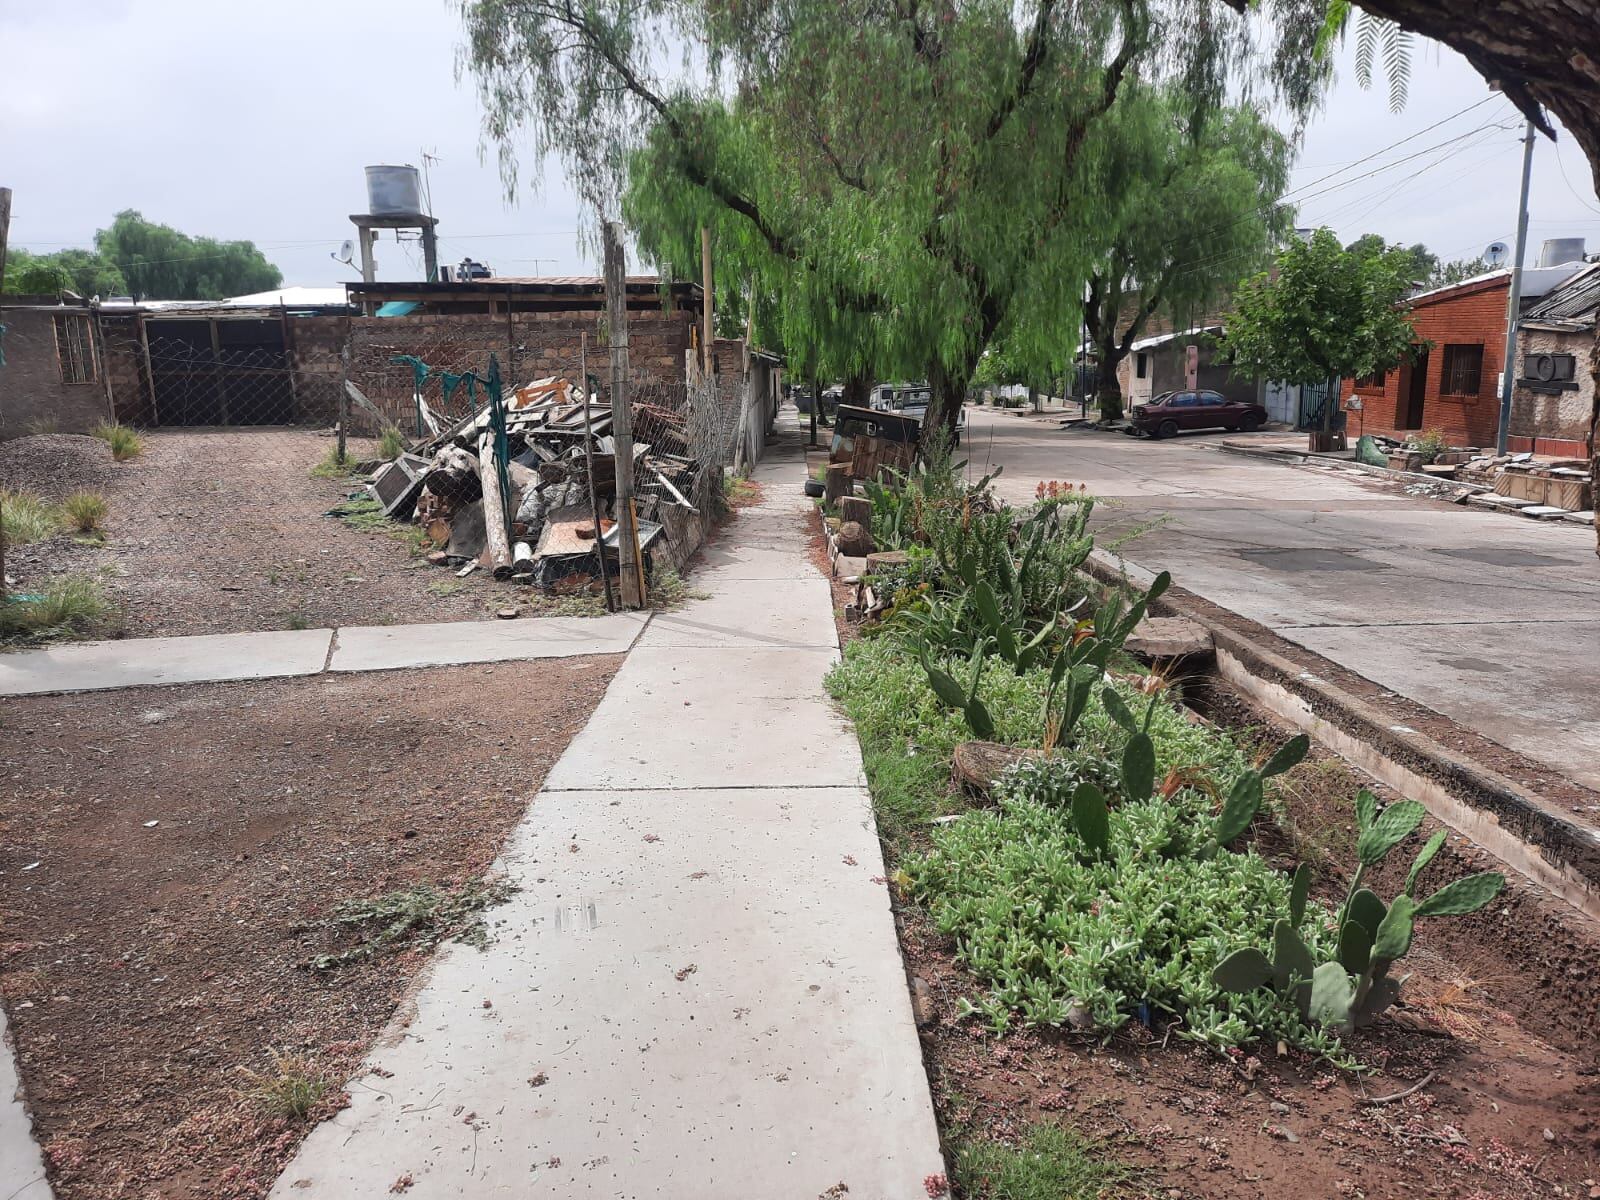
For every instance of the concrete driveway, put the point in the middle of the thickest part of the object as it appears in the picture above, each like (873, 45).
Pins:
(1490, 619)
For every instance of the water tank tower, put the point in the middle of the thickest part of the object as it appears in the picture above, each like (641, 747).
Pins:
(394, 201)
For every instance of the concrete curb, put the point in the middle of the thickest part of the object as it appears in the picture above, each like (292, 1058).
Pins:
(1512, 823)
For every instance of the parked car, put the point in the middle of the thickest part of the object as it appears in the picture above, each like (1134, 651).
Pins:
(910, 400)
(1171, 412)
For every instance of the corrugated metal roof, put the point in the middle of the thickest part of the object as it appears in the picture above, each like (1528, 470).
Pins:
(1575, 300)
(1162, 339)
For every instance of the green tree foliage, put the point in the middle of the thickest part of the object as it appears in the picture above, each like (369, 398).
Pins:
(75, 270)
(913, 180)
(160, 263)
(1456, 271)
(1202, 213)
(1325, 313)
(1424, 266)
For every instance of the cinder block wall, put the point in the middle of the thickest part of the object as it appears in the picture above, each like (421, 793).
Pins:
(1554, 423)
(33, 396)
(1476, 314)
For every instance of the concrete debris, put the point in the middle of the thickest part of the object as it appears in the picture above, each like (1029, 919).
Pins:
(558, 458)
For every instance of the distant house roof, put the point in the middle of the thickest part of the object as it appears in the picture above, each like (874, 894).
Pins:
(1536, 281)
(1161, 339)
(292, 297)
(499, 285)
(1571, 305)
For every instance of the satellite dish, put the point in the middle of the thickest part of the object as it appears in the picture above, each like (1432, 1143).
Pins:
(1496, 253)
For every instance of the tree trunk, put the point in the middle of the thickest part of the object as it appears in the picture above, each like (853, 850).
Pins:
(949, 392)
(1108, 394)
(1538, 52)
(857, 390)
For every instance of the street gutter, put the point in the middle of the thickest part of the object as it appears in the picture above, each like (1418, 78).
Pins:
(1516, 825)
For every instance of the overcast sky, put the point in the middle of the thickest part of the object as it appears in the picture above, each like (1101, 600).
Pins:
(255, 120)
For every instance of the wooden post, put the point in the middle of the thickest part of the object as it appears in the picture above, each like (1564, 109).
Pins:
(344, 398)
(631, 570)
(5, 231)
(707, 339)
(494, 512)
(588, 455)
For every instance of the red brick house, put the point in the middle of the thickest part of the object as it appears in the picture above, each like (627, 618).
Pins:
(1453, 384)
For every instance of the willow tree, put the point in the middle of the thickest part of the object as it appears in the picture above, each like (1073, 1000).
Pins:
(1201, 213)
(919, 172)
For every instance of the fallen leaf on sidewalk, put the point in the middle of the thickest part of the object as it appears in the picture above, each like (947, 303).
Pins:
(684, 972)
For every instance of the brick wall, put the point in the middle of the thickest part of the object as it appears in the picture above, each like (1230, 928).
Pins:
(529, 346)
(34, 398)
(1470, 315)
(1558, 422)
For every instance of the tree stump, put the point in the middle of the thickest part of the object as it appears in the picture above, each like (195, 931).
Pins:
(975, 766)
(838, 483)
(857, 509)
(854, 540)
(886, 560)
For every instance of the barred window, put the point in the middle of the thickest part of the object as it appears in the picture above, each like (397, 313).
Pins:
(1462, 374)
(1373, 382)
(74, 349)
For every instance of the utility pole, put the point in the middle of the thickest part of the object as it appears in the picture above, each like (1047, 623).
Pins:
(1514, 304)
(616, 269)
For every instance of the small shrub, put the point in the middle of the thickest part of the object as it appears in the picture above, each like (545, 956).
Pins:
(290, 1090)
(332, 465)
(413, 919)
(84, 511)
(25, 518)
(669, 590)
(124, 442)
(391, 445)
(1430, 445)
(66, 606)
(1050, 1164)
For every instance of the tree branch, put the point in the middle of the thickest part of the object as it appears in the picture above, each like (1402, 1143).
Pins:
(1032, 59)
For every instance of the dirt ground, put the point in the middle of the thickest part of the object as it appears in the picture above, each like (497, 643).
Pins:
(168, 861)
(224, 531)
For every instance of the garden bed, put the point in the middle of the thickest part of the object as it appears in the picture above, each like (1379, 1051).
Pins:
(1499, 1111)
(217, 894)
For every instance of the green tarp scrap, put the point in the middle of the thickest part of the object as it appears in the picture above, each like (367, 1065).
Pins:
(1367, 452)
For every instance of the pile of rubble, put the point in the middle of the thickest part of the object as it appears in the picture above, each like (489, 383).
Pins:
(549, 518)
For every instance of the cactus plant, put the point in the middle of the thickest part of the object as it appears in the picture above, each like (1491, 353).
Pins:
(1354, 988)
(954, 695)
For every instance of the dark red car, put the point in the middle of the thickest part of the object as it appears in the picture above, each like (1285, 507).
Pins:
(1171, 412)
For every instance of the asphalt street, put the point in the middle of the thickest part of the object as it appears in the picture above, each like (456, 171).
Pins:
(1491, 619)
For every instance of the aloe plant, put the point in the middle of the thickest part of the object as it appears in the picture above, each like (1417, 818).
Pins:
(1354, 987)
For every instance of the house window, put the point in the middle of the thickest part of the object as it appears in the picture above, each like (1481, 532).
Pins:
(74, 349)
(1463, 370)
(1373, 382)
(1141, 366)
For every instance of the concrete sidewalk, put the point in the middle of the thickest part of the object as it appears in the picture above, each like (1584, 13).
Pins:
(222, 657)
(698, 991)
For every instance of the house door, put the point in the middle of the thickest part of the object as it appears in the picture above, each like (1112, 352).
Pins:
(1413, 393)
